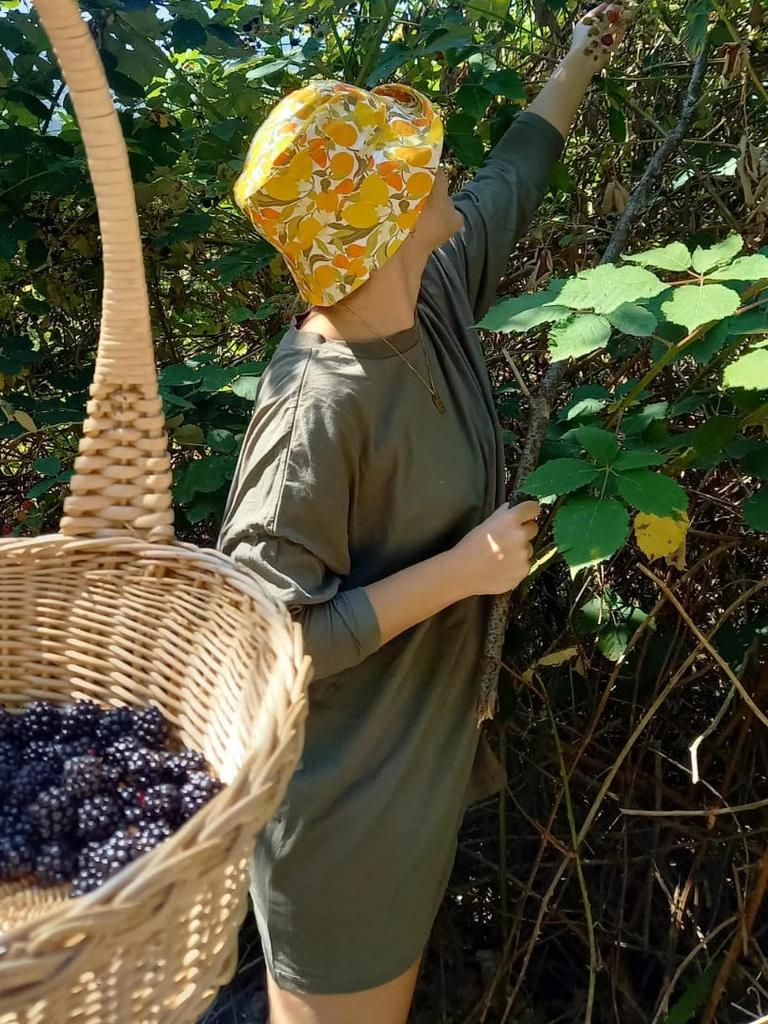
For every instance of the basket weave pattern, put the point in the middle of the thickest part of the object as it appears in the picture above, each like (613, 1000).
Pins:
(112, 608)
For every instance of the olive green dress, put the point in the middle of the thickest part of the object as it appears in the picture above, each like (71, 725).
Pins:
(347, 474)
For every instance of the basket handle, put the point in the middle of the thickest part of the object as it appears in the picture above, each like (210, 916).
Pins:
(122, 478)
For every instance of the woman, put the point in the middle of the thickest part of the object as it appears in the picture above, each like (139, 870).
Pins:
(364, 498)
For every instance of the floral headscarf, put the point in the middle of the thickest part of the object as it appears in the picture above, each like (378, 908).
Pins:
(336, 178)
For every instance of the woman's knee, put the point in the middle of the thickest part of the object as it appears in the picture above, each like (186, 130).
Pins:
(385, 1004)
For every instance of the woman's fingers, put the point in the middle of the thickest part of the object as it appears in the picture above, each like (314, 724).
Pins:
(531, 529)
(526, 510)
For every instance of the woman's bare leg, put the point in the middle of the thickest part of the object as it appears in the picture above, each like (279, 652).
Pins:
(386, 1004)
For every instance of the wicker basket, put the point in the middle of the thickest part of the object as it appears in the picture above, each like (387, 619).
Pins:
(114, 609)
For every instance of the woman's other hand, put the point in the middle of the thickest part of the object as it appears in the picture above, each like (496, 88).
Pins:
(599, 33)
(496, 556)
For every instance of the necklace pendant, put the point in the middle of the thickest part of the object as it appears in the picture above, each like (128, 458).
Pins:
(438, 403)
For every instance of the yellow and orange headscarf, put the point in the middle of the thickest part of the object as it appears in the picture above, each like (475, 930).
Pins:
(335, 179)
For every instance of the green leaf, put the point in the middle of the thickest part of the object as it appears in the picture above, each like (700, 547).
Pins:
(462, 137)
(487, 9)
(674, 256)
(723, 252)
(652, 492)
(472, 99)
(749, 372)
(600, 444)
(560, 476)
(606, 287)
(638, 458)
(124, 86)
(755, 462)
(189, 433)
(634, 320)
(588, 530)
(745, 268)
(755, 510)
(187, 34)
(617, 125)
(49, 466)
(505, 83)
(269, 67)
(579, 336)
(693, 305)
(562, 180)
(685, 1008)
(42, 486)
(203, 475)
(585, 401)
(246, 387)
(714, 436)
(188, 227)
(523, 313)
(614, 638)
(178, 374)
(16, 353)
(221, 440)
(224, 34)
(697, 15)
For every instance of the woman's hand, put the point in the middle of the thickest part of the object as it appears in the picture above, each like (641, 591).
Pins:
(598, 35)
(496, 556)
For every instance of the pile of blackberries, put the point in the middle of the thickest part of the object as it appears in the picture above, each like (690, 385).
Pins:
(85, 791)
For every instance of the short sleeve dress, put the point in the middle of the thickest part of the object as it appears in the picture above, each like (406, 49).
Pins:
(347, 474)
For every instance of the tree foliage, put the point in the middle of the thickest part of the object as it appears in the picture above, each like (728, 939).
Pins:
(655, 455)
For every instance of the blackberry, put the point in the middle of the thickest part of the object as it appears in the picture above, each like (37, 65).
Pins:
(152, 834)
(161, 802)
(113, 854)
(8, 723)
(178, 766)
(138, 764)
(43, 752)
(130, 799)
(52, 814)
(117, 752)
(83, 747)
(150, 727)
(7, 775)
(98, 817)
(196, 792)
(17, 855)
(31, 780)
(83, 776)
(40, 721)
(114, 725)
(14, 822)
(55, 863)
(10, 754)
(79, 721)
(87, 879)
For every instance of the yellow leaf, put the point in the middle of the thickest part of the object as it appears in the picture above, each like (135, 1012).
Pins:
(662, 536)
(24, 420)
(558, 657)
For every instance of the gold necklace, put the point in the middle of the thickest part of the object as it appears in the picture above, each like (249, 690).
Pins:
(437, 400)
